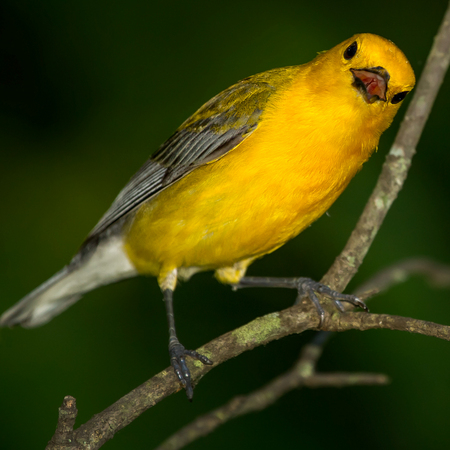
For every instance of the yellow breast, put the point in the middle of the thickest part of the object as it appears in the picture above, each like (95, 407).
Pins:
(251, 201)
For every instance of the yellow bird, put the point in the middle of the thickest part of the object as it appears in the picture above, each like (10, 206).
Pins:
(248, 171)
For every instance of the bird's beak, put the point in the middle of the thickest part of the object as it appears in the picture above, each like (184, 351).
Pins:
(372, 83)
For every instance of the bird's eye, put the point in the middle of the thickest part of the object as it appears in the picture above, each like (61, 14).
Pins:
(397, 98)
(350, 51)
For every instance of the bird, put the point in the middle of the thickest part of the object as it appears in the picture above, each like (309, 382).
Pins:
(247, 172)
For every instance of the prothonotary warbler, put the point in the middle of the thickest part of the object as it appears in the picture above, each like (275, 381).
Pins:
(248, 171)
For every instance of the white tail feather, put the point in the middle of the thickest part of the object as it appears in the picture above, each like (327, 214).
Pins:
(106, 265)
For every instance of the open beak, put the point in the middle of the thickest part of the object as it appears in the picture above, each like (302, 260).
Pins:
(372, 83)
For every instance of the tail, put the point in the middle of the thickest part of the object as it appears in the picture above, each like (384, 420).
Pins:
(107, 264)
(45, 302)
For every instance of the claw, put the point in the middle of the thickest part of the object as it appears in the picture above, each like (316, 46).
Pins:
(339, 306)
(178, 361)
(308, 287)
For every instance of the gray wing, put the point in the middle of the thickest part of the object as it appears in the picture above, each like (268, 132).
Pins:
(216, 128)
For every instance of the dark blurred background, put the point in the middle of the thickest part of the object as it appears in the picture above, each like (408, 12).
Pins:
(88, 90)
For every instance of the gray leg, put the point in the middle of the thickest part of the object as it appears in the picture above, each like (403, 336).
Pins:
(177, 351)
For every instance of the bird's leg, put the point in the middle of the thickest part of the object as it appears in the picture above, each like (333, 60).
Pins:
(305, 287)
(177, 351)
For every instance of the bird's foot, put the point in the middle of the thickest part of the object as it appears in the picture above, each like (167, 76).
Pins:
(308, 287)
(178, 361)
(305, 287)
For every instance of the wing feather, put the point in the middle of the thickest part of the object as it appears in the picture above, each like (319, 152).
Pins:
(215, 129)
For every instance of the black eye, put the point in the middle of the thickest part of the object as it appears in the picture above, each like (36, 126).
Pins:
(350, 51)
(397, 98)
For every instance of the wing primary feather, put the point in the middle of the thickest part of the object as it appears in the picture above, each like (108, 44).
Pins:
(171, 149)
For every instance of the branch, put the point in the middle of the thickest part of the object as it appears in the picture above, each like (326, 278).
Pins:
(261, 331)
(437, 275)
(66, 420)
(303, 374)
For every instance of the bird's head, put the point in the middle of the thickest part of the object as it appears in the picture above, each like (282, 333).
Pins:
(373, 76)
(377, 68)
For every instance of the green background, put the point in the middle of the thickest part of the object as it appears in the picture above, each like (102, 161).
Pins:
(88, 90)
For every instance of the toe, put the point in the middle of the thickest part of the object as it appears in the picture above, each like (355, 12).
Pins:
(178, 362)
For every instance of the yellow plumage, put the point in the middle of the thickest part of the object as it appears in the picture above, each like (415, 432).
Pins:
(248, 171)
(313, 135)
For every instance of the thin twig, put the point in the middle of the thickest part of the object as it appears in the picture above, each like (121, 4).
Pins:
(303, 374)
(438, 275)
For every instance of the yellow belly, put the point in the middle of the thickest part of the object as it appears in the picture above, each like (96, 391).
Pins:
(242, 206)
(262, 193)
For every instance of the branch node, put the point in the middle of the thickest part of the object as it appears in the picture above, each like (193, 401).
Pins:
(63, 439)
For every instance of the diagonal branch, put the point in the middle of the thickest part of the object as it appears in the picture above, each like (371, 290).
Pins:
(260, 331)
(302, 374)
